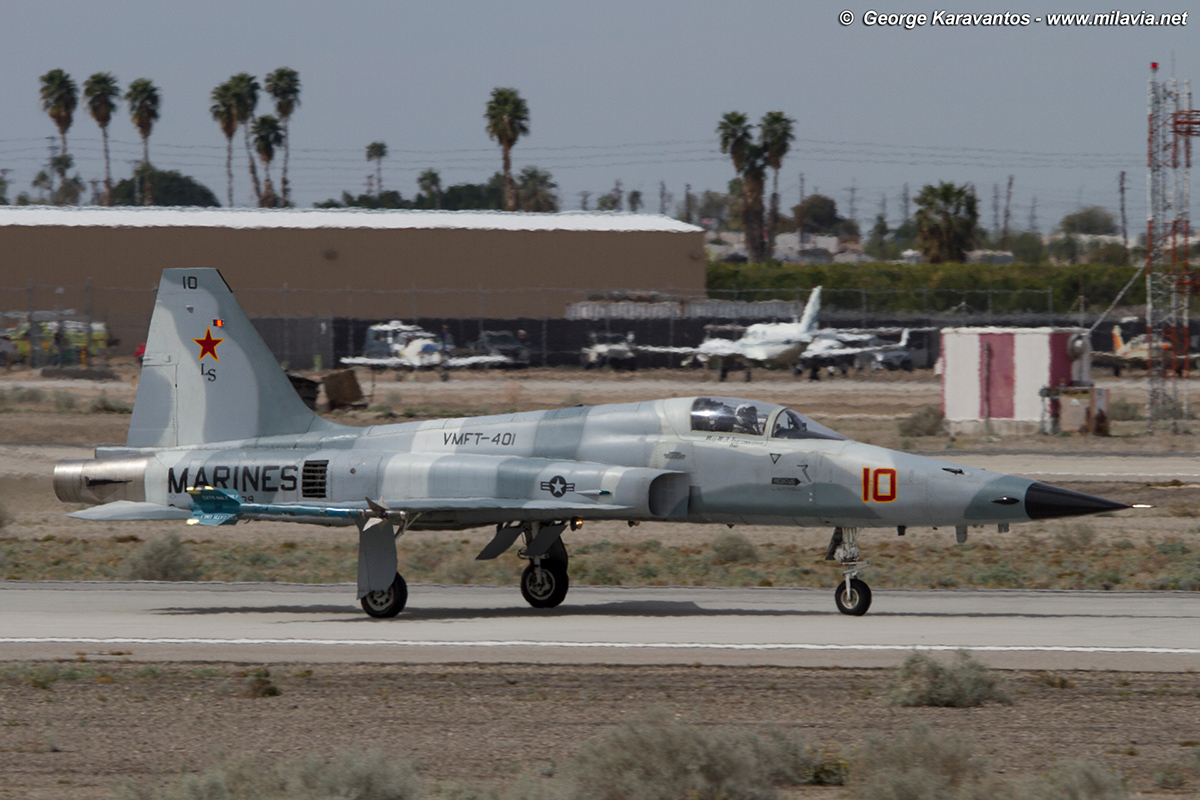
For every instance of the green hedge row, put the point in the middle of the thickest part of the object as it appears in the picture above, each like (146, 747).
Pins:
(917, 288)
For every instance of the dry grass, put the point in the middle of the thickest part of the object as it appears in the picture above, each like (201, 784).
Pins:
(361, 775)
(1056, 561)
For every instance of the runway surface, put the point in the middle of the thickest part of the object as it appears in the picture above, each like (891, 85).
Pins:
(651, 625)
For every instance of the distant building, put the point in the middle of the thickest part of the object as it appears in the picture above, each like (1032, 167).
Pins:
(990, 257)
(341, 262)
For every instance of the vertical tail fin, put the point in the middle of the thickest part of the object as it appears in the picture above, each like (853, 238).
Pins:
(808, 321)
(207, 375)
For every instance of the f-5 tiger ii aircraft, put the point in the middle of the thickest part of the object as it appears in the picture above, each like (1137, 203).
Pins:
(218, 435)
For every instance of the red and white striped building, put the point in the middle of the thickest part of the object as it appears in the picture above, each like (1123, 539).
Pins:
(993, 378)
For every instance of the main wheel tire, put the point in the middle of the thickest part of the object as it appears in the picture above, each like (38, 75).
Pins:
(389, 602)
(545, 587)
(859, 599)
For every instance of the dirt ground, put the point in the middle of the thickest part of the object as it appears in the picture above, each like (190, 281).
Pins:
(486, 724)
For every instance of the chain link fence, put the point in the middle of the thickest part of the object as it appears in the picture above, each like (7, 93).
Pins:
(313, 328)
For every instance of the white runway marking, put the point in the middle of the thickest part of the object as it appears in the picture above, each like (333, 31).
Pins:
(609, 645)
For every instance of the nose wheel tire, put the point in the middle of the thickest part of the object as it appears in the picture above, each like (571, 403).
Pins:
(388, 602)
(856, 601)
(545, 586)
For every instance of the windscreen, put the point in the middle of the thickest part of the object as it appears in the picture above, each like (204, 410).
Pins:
(729, 415)
(790, 425)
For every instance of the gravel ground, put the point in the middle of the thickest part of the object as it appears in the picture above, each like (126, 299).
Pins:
(486, 724)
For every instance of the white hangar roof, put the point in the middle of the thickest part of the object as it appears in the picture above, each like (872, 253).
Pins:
(339, 218)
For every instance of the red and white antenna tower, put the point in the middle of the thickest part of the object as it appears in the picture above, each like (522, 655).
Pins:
(1170, 282)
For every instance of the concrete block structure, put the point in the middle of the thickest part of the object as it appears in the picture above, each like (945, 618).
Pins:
(996, 379)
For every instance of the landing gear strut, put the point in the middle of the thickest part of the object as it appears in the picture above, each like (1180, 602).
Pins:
(852, 594)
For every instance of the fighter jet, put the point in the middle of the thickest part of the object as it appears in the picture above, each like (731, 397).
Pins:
(218, 435)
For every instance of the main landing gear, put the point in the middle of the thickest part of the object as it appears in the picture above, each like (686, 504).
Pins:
(388, 602)
(545, 582)
(852, 595)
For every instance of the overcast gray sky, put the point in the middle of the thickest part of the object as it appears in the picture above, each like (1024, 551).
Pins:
(626, 89)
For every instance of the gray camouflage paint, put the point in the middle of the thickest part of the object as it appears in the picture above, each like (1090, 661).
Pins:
(639, 461)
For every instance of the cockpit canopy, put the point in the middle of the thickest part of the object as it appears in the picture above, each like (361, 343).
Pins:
(752, 418)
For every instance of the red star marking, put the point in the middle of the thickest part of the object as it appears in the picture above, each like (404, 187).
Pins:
(208, 345)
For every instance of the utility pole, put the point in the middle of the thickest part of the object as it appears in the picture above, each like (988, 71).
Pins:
(853, 191)
(1124, 222)
(1033, 215)
(1007, 210)
(995, 211)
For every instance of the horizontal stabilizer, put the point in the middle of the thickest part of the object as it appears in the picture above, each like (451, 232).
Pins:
(128, 511)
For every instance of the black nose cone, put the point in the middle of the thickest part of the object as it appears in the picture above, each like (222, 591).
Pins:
(1043, 501)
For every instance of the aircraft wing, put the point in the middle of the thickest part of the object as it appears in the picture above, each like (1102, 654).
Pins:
(397, 362)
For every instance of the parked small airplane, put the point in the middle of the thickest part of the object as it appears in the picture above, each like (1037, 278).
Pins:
(397, 345)
(218, 435)
(835, 349)
(764, 343)
(1135, 354)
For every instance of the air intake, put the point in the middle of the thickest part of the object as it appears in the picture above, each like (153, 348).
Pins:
(312, 479)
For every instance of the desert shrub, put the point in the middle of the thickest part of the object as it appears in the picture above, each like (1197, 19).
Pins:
(925, 422)
(1077, 780)
(64, 401)
(1169, 777)
(733, 548)
(915, 765)
(258, 684)
(164, 559)
(1001, 575)
(107, 405)
(657, 757)
(1172, 548)
(1122, 410)
(1077, 537)
(922, 681)
(370, 775)
(43, 676)
(27, 397)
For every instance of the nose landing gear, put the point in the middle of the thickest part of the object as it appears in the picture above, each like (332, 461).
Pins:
(852, 595)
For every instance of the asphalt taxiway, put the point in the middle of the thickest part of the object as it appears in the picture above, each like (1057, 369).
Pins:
(1150, 631)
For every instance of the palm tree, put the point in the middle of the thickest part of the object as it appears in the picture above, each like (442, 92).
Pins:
(224, 111)
(430, 184)
(245, 99)
(284, 86)
(507, 120)
(946, 218)
(143, 100)
(750, 163)
(377, 152)
(536, 189)
(59, 97)
(268, 134)
(777, 136)
(102, 93)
